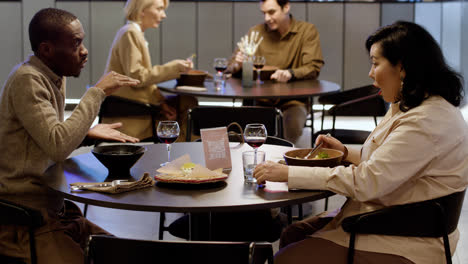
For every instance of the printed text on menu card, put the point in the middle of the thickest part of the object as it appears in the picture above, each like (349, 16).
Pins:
(216, 148)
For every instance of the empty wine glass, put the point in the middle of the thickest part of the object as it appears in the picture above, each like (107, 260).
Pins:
(255, 135)
(168, 132)
(220, 65)
(259, 62)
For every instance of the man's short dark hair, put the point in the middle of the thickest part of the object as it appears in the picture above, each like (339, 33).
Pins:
(281, 3)
(48, 25)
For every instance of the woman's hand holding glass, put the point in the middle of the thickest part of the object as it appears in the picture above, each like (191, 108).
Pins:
(168, 132)
(271, 171)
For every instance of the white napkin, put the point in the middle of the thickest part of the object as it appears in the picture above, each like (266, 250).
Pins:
(191, 88)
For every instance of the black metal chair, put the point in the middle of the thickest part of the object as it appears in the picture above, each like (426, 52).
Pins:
(217, 116)
(19, 215)
(114, 106)
(434, 218)
(362, 101)
(109, 249)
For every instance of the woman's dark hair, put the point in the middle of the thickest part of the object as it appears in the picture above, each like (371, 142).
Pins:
(281, 3)
(48, 25)
(427, 73)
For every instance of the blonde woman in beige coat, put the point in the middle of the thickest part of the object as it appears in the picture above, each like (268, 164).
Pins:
(130, 55)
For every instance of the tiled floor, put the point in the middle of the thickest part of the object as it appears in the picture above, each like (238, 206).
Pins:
(144, 225)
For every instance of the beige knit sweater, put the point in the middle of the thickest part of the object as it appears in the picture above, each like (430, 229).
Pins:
(33, 133)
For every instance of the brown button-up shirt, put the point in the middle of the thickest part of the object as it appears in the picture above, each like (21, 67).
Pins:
(298, 49)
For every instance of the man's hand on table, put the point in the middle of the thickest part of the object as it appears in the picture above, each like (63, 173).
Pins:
(109, 132)
(281, 76)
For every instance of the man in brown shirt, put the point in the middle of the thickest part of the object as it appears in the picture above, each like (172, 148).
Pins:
(33, 134)
(292, 46)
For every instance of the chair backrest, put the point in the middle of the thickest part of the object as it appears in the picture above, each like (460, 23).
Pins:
(434, 218)
(108, 249)
(15, 214)
(348, 95)
(114, 106)
(369, 105)
(421, 219)
(217, 116)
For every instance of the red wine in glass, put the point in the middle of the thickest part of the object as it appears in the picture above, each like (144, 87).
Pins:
(168, 139)
(258, 66)
(168, 132)
(220, 68)
(255, 142)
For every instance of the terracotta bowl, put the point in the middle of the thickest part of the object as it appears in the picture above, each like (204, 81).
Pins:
(192, 78)
(295, 158)
(265, 73)
(118, 159)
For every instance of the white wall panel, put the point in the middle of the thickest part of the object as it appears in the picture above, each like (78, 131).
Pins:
(179, 31)
(10, 26)
(328, 18)
(106, 19)
(215, 33)
(30, 7)
(246, 15)
(451, 33)
(392, 12)
(298, 10)
(429, 15)
(361, 20)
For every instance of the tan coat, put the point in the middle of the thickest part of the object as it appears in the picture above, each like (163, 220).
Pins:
(129, 55)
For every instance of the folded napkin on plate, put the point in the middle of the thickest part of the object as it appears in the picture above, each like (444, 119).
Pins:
(144, 182)
(191, 88)
(183, 168)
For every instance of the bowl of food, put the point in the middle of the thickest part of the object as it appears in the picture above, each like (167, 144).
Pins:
(118, 159)
(324, 158)
(192, 78)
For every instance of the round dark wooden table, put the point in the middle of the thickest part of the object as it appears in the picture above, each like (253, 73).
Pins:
(229, 195)
(268, 89)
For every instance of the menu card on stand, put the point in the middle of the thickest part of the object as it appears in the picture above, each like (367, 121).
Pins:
(216, 148)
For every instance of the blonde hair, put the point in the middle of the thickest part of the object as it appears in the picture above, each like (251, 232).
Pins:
(133, 8)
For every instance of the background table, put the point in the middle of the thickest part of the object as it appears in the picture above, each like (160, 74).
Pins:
(231, 195)
(268, 89)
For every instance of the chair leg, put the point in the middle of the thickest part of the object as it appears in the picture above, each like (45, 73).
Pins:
(448, 254)
(32, 246)
(326, 204)
(352, 239)
(162, 228)
(85, 210)
(300, 212)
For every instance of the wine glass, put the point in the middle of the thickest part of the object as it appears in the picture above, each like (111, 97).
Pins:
(255, 135)
(220, 65)
(259, 62)
(168, 132)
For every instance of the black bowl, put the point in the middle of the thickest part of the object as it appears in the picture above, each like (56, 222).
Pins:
(118, 159)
